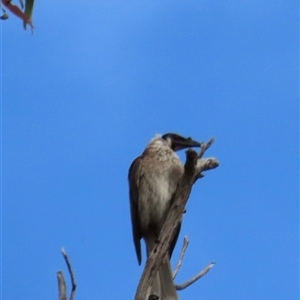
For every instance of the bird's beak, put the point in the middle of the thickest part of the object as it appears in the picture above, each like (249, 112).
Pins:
(185, 143)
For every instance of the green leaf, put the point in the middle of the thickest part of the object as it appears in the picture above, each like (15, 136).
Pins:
(28, 11)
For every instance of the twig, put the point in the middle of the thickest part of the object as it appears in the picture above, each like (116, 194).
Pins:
(195, 278)
(62, 290)
(64, 253)
(205, 146)
(182, 253)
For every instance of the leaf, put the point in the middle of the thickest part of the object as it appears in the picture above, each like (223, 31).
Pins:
(18, 12)
(28, 12)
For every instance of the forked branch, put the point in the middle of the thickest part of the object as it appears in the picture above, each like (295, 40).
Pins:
(62, 289)
(193, 168)
(195, 278)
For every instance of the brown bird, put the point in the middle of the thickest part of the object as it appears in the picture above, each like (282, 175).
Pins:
(153, 179)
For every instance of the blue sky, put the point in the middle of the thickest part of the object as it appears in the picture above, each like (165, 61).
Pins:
(81, 98)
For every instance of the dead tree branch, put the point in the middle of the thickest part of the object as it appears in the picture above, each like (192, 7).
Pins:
(195, 278)
(72, 274)
(193, 167)
(62, 290)
(182, 253)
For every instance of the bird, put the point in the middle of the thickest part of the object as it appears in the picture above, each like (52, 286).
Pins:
(153, 178)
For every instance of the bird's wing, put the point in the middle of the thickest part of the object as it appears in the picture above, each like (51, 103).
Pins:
(133, 178)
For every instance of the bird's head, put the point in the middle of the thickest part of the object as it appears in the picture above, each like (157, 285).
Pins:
(178, 142)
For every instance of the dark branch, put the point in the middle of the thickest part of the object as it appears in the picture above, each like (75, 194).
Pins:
(61, 280)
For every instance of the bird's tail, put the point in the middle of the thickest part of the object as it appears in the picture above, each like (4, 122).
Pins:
(163, 285)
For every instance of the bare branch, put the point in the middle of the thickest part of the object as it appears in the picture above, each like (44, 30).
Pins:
(62, 289)
(195, 278)
(72, 275)
(170, 226)
(205, 146)
(182, 253)
(193, 167)
(205, 164)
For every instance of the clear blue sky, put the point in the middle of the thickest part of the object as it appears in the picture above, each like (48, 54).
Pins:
(82, 97)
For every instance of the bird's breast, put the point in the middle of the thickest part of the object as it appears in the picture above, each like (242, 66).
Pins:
(158, 187)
